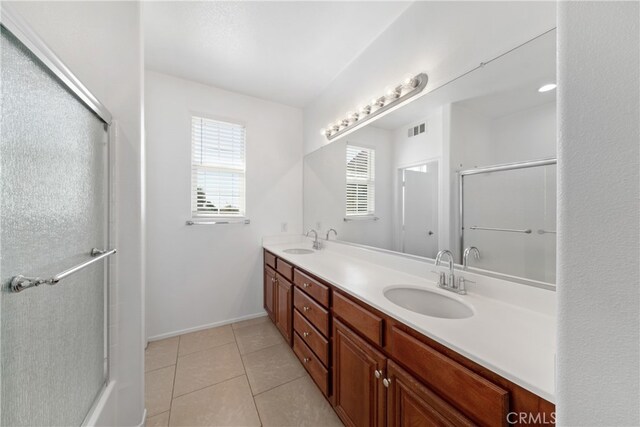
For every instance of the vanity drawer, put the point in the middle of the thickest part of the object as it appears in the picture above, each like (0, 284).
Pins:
(312, 287)
(318, 372)
(270, 259)
(285, 269)
(479, 399)
(311, 337)
(362, 320)
(312, 311)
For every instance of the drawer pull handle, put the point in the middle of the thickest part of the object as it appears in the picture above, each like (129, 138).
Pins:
(305, 308)
(306, 360)
(378, 373)
(305, 285)
(305, 334)
(386, 382)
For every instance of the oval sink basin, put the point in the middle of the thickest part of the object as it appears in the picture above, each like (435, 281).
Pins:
(428, 303)
(298, 251)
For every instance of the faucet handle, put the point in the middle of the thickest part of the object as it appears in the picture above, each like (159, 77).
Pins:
(442, 278)
(462, 285)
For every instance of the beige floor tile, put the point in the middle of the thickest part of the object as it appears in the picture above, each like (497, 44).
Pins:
(226, 404)
(297, 403)
(251, 322)
(207, 367)
(256, 337)
(161, 420)
(160, 354)
(202, 340)
(271, 367)
(158, 386)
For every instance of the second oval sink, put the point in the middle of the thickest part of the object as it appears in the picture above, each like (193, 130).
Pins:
(298, 251)
(428, 303)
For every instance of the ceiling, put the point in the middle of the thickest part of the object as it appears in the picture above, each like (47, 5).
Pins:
(500, 104)
(286, 52)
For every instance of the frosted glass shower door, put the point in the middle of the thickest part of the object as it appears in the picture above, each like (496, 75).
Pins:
(53, 211)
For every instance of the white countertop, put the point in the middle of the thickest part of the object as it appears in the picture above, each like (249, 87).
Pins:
(513, 337)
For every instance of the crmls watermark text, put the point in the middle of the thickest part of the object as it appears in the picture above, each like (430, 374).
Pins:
(531, 418)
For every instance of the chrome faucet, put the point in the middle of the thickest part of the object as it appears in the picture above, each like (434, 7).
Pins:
(316, 244)
(467, 252)
(334, 232)
(462, 282)
(448, 282)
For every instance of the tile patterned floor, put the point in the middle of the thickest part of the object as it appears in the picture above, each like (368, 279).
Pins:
(242, 374)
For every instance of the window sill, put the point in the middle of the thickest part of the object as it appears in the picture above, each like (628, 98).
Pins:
(217, 220)
(360, 218)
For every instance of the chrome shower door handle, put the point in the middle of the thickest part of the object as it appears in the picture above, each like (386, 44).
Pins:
(20, 283)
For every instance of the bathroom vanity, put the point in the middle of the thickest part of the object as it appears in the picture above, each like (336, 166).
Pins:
(379, 363)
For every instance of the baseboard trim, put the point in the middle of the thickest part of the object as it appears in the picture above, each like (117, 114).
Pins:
(207, 326)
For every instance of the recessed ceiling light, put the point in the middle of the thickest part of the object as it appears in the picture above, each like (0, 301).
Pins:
(547, 87)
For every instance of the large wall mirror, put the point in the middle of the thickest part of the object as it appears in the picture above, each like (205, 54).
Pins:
(470, 163)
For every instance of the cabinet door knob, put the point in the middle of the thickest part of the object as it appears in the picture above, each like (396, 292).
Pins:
(306, 360)
(305, 334)
(305, 308)
(305, 285)
(378, 373)
(386, 382)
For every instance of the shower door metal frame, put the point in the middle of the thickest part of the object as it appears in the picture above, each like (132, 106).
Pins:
(497, 168)
(21, 30)
(16, 25)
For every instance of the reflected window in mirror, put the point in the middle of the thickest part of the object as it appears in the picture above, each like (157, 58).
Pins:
(360, 195)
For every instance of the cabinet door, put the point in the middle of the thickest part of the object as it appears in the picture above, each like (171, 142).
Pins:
(269, 292)
(411, 404)
(359, 397)
(284, 306)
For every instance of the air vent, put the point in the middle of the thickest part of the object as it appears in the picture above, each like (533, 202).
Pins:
(416, 130)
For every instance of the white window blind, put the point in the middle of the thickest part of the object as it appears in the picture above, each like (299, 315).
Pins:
(217, 168)
(360, 180)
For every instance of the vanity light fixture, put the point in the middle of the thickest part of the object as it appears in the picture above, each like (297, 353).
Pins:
(400, 93)
(547, 87)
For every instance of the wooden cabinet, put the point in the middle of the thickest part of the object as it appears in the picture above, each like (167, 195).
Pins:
(377, 371)
(358, 370)
(411, 404)
(362, 320)
(284, 306)
(312, 364)
(311, 287)
(269, 292)
(314, 312)
(482, 400)
(269, 259)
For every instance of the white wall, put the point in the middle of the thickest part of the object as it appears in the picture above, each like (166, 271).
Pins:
(100, 42)
(205, 275)
(598, 381)
(421, 39)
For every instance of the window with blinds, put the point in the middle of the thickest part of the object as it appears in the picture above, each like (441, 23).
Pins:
(360, 181)
(217, 168)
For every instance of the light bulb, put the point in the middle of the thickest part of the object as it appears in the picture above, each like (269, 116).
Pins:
(547, 87)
